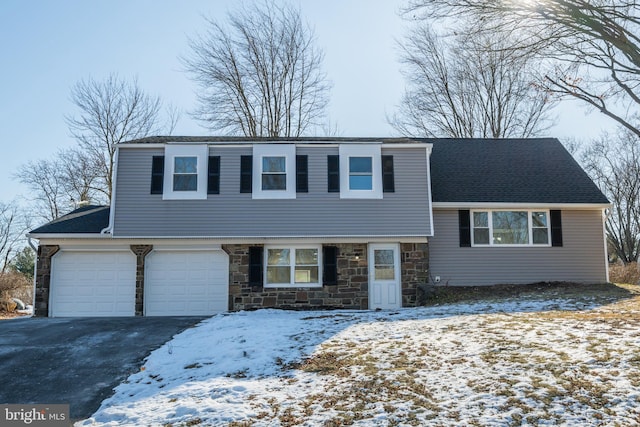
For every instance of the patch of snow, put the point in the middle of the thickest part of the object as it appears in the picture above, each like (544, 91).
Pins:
(493, 364)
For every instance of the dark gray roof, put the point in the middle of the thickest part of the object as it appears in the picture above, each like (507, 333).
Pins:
(87, 219)
(508, 171)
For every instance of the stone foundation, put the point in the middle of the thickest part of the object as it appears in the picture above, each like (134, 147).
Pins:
(351, 291)
(43, 279)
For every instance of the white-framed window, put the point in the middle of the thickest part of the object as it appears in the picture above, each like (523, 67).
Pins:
(360, 171)
(274, 173)
(274, 167)
(292, 266)
(510, 228)
(185, 174)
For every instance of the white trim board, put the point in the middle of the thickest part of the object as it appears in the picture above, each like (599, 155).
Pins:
(194, 242)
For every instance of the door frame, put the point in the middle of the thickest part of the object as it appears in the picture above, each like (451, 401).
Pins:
(397, 279)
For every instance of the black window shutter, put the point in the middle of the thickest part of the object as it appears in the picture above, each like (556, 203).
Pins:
(333, 174)
(330, 265)
(255, 267)
(464, 224)
(213, 176)
(246, 173)
(302, 174)
(388, 184)
(556, 227)
(157, 174)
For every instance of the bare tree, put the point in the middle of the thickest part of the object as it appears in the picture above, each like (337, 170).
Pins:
(112, 111)
(57, 184)
(259, 75)
(468, 87)
(595, 44)
(46, 187)
(82, 176)
(12, 228)
(613, 161)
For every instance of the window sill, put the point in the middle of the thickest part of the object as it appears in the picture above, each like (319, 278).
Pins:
(546, 245)
(290, 286)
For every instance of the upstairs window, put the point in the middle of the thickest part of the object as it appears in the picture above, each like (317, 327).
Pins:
(360, 173)
(274, 173)
(185, 174)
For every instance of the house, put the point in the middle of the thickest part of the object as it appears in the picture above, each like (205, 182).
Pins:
(200, 225)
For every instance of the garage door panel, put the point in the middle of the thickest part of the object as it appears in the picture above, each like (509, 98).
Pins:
(98, 283)
(107, 275)
(198, 291)
(176, 291)
(197, 275)
(186, 283)
(105, 291)
(178, 275)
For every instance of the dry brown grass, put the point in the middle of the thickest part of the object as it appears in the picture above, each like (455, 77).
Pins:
(13, 285)
(605, 292)
(620, 273)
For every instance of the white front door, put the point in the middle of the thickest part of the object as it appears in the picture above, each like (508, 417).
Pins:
(384, 276)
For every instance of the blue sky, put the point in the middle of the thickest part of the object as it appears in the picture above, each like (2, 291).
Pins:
(47, 46)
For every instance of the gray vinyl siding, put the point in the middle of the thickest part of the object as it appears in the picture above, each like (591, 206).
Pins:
(233, 214)
(580, 259)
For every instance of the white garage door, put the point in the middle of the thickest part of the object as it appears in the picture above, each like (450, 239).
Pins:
(186, 283)
(96, 283)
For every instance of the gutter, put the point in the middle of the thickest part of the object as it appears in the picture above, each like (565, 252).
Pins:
(35, 272)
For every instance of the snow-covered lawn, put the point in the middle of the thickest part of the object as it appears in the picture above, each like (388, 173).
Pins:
(517, 362)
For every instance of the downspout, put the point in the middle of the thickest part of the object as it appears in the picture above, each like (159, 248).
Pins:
(35, 272)
(606, 213)
(429, 151)
(114, 181)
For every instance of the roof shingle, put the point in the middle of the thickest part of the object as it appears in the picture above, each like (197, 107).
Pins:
(509, 171)
(87, 219)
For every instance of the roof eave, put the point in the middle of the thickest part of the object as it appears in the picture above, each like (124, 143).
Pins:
(519, 205)
(40, 236)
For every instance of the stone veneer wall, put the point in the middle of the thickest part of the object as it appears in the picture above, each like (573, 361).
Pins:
(43, 279)
(140, 251)
(352, 290)
(414, 270)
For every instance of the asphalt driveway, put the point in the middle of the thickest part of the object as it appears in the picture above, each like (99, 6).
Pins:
(76, 361)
